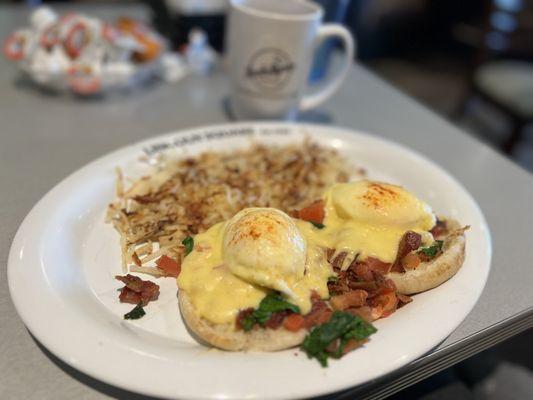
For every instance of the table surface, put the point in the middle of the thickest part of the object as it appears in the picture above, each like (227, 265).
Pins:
(43, 138)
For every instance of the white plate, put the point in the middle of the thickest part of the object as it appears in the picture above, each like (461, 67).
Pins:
(64, 257)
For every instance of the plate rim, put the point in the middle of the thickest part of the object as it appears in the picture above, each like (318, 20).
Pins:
(26, 226)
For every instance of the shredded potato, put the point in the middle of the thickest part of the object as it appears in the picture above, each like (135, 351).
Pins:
(156, 272)
(186, 196)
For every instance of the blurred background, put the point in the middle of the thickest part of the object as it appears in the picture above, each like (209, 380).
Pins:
(466, 60)
(469, 61)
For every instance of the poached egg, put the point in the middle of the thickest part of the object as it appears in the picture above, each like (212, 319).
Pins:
(235, 263)
(368, 219)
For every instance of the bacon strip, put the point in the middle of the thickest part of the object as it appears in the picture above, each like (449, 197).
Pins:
(137, 291)
(376, 265)
(320, 312)
(403, 299)
(410, 241)
(339, 260)
(440, 229)
(364, 312)
(276, 320)
(387, 303)
(355, 298)
(242, 315)
(363, 272)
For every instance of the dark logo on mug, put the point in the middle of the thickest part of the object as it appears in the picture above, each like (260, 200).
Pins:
(270, 68)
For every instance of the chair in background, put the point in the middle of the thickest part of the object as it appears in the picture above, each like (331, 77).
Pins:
(502, 73)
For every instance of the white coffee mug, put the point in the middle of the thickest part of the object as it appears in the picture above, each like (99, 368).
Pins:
(270, 46)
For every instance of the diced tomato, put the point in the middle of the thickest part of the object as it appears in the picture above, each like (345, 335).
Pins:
(293, 322)
(410, 261)
(169, 265)
(313, 213)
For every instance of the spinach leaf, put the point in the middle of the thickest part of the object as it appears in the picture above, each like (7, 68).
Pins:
(188, 242)
(136, 313)
(270, 304)
(248, 322)
(343, 326)
(318, 225)
(433, 250)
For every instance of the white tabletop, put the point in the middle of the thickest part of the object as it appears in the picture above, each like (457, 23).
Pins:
(43, 138)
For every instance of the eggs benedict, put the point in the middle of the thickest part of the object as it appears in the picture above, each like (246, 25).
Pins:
(237, 263)
(263, 279)
(387, 227)
(368, 219)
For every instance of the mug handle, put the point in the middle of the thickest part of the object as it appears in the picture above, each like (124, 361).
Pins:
(326, 31)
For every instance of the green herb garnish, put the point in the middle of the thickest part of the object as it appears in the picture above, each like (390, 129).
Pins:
(333, 279)
(318, 225)
(188, 242)
(341, 325)
(270, 304)
(136, 313)
(432, 251)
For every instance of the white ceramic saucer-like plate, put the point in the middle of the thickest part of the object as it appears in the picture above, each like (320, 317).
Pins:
(64, 257)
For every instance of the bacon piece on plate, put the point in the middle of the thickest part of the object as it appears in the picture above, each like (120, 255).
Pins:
(137, 291)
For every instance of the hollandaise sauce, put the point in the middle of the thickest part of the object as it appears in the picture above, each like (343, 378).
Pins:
(236, 263)
(368, 219)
